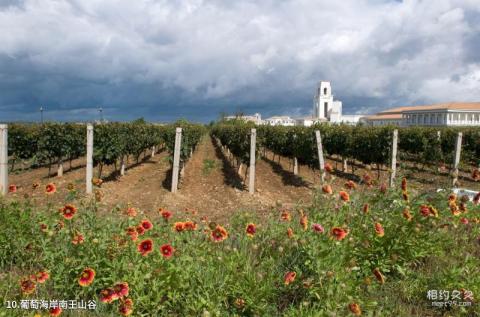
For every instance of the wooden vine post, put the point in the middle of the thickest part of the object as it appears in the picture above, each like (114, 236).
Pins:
(393, 167)
(456, 163)
(122, 167)
(60, 169)
(251, 181)
(3, 159)
(321, 161)
(295, 166)
(89, 175)
(295, 160)
(176, 159)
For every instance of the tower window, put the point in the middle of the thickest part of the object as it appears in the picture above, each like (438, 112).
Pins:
(325, 109)
(325, 90)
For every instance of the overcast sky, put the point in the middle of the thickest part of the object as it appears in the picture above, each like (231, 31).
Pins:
(165, 59)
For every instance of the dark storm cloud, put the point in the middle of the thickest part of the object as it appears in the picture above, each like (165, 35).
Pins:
(195, 59)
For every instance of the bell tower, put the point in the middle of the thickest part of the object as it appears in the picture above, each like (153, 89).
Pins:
(323, 100)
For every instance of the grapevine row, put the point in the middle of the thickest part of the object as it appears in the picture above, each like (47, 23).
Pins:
(369, 145)
(113, 142)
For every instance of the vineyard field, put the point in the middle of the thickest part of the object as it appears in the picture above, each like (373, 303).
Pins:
(357, 245)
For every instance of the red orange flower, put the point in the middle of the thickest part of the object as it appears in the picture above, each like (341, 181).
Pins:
(121, 289)
(404, 184)
(131, 212)
(59, 226)
(405, 195)
(476, 199)
(250, 230)
(452, 198)
(407, 215)
(318, 228)
(338, 233)
(464, 220)
(289, 277)
(290, 233)
(454, 209)
(219, 234)
(108, 295)
(379, 276)
(367, 179)
(365, 208)
(344, 196)
(239, 303)
(140, 230)
(42, 276)
(379, 231)
(12, 188)
(304, 222)
(27, 285)
(383, 188)
(190, 225)
(167, 250)
(126, 307)
(350, 185)
(145, 247)
(166, 214)
(50, 188)
(179, 226)
(146, 224)
(476, 174)
(77, 239)
(55, 311)
(425, 210)
(43, 227)
(285, 216)
(327, 189)
(97, 181)
(355, 309)
(68, 211)
(132, 232)
(87, 276)
(328, 167)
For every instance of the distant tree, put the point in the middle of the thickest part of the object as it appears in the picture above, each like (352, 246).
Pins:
(139, 121)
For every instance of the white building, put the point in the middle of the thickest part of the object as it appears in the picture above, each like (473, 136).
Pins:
(328, 109)
(308, 121)
(279, 120)
(444, 114)
(256, 118)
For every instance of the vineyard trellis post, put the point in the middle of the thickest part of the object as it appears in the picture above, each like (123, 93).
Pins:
(60, 169)
(321, 161)
(295, 159)
(458, 150)
(176, 159)
(251, 181)
(4, 158)
(394, 157)
(153, 151)
(89, 176)
(122, 166)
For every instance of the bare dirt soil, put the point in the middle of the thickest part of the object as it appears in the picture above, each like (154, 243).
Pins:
(210, 184)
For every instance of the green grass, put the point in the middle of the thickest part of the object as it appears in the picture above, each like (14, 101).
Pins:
(208, 166)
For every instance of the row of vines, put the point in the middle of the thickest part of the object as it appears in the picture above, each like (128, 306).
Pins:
(114, 143)
(368, 145)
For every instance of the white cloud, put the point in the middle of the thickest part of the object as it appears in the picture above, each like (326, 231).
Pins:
(386, 51)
